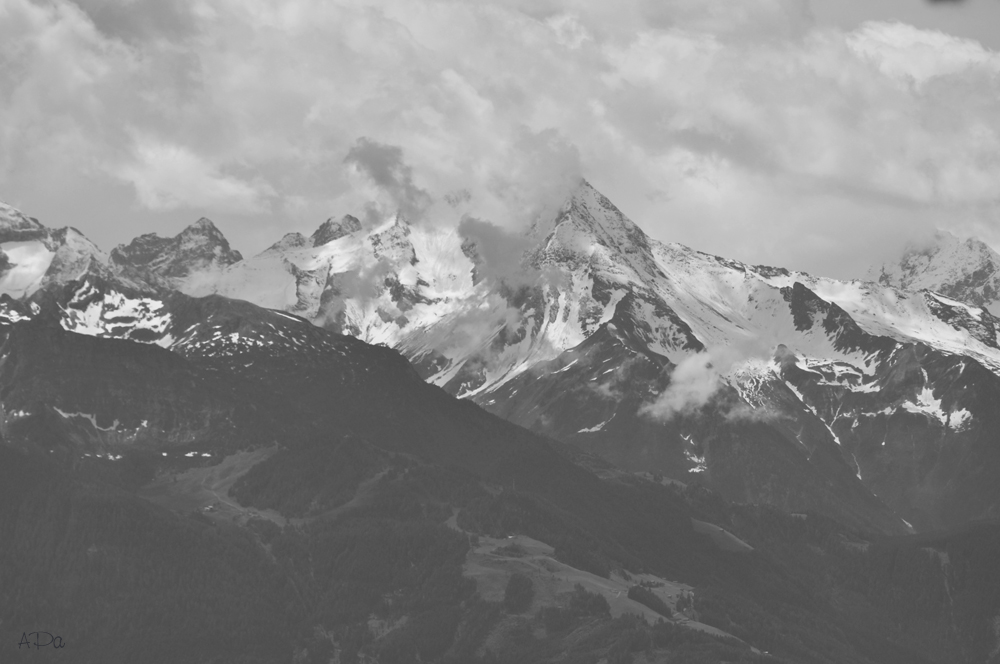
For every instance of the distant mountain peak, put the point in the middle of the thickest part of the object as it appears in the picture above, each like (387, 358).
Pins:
(203, 222)
(331, 230)
(400, 220)
(16, 226)
(11, 216)
(205, 228)
(589, 227)
(287, 242)
(967, 270)
(199, 247)
(595, 211)
(393, 243)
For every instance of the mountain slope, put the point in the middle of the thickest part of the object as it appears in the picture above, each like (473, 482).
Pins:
(341, 517)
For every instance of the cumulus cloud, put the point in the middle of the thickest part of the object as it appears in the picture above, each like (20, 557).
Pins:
(167, 176)
(917, 56)
(696, 380)
(361, 285)
(539, 172)
(499, 252)
(693, 382)
(137, 20)
(384, 166)
(744, 129)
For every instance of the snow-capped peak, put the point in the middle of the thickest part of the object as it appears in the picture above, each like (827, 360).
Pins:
(965, 270)
(204, 224)
(16, 226)
(288, 242)
(590, 213)
(33, 255)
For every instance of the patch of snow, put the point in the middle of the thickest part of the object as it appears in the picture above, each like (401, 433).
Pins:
(30, 261)
(565, 368)
(87, 416)
(959, 419)
(699, 461)
(926, 404)
(597, 427)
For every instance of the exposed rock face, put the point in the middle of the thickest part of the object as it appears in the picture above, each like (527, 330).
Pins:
(75, 257)
(289, 242)
(179, 262)
(393, 244)
(334, 230)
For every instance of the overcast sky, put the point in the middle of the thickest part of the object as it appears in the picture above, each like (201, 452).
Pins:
(812, 135)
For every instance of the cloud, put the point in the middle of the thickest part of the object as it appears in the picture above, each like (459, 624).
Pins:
(500, 251)
(384, 165)
(745, 129)
(167, 176)
(693, 382)
(917, 56)
(469, 334)
(137, 20)
(612, 381)
(696, 380)
(363, 285)
(539, 172)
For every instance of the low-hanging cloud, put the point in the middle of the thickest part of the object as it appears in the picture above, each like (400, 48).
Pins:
(696, 380)
(384, 165)
(693, 382)
(469, 334)
(541, 171)
(500, 252)
(360, 285)
(160, 171)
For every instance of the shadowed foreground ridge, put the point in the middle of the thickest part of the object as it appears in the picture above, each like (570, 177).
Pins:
(315, 498)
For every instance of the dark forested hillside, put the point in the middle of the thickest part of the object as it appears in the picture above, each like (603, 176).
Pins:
(337, 508)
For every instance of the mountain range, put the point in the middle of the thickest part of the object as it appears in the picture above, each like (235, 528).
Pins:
(868, 400)
(370, 417)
